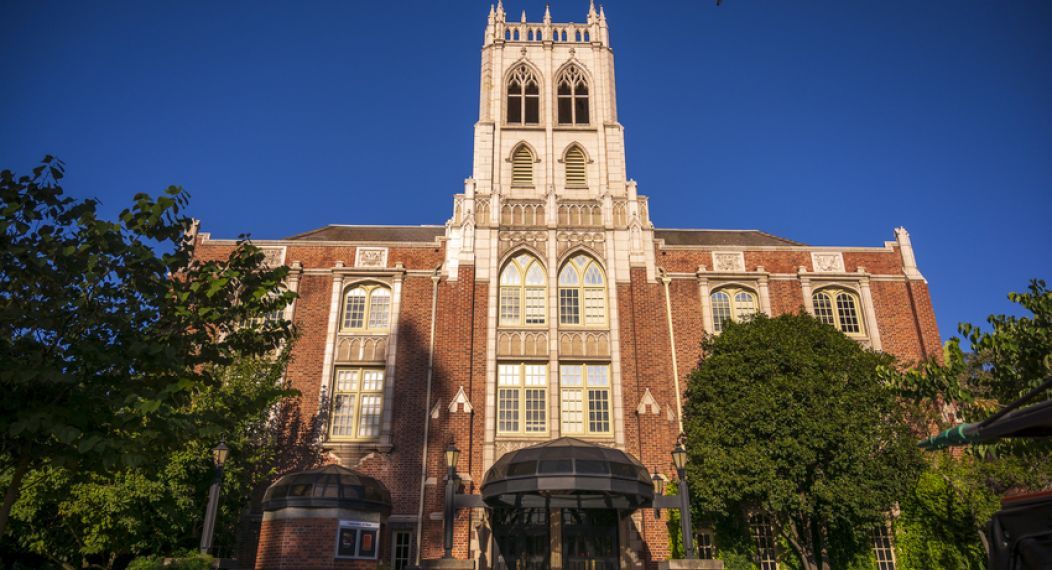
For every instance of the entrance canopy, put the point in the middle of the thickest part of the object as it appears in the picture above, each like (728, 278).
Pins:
(568, 473)
(331, 486)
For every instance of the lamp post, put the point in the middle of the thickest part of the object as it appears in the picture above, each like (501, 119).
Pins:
(219, 455)
(659, 490)
(452, 455)
(679, 459)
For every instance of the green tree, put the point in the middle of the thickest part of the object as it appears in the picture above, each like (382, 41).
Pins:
(788, 416)
(82, 519)
(109, 328)
(942, 518)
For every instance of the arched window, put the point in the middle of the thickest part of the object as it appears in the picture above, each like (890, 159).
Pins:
(367, 308)
(572, 94)
(576, 173)
(522, 166)
(731, 304)
(523, 292)
(524, 97)
(838, 307)
(582, 293)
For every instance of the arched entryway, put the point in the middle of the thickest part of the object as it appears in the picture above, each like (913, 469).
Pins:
(563, 504)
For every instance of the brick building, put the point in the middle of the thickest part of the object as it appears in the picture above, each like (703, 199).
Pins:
(548, 306)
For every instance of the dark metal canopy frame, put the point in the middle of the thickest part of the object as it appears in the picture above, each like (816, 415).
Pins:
(331, 486)
(568, 473)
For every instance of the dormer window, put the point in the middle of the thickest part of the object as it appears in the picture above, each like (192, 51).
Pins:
(524, 97)
(572, 95)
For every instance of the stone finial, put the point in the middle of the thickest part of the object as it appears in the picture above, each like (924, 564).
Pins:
(492, 14)
(547, 14)
(523, 17)
(602, 16)
(591, 11)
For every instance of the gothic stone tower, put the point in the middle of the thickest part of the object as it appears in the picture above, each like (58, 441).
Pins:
(547, 330)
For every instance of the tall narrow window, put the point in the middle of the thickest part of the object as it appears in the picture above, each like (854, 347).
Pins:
(401, 548)
(762, 531)
(367, 308)
(838, 307)
(522, 166)
(523, 294)
(731, 304)
(883, 548)
(582, 293)
(524, 97)
(357, 403)
(522, 398)
(576, 172)
(572, 93)
(585, 398)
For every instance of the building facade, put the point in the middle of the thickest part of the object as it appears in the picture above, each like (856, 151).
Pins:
(547, 310)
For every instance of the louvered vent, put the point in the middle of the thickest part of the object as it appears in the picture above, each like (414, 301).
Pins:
(522, 167)
(575, 168)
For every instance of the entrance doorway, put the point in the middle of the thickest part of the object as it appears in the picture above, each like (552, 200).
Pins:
(521, 539)
(586, 539)
(590, 539)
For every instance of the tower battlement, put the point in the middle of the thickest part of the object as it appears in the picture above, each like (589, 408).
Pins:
(593, 31)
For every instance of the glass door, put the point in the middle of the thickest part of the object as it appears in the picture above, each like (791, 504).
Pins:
(521, 539)
(590, 539)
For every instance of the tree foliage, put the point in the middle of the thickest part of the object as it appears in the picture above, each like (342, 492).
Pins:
(943, 516)
(75, 518)
(109, 330)
(788, 416)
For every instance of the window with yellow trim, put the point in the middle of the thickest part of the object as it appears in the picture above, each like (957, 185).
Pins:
(366, 308)
(357, 403)
(838, 307)
(523, 296)
(731, 304)
(584, 397)
(582, 293)
(522, 398)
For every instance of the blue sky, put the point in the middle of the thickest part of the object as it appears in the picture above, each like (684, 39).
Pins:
(827, 122)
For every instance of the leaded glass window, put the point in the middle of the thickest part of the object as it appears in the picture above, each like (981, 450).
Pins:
(731, 304)
(838, 307)
(582, 293)
(523, 297)
(357, 409)
(367, 308)
(883, 548)
(762, 530)
(584, 392)
(522, 398)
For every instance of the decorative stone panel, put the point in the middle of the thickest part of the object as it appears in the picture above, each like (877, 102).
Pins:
(273, 256)
(580, 214)
(522, 214)
(570, 239)
(584, 344)
(361, 348)
(370, 257)
(728, 261)
(510, 239)
(481, 211)
(620, 213)
(827, 262)
(522, 343)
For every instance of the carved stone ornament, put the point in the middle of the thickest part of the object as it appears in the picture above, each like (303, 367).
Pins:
(273, 256)
(831, 262)
(370, 257)
(568, 239)
(728, 261)
(510, 239)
